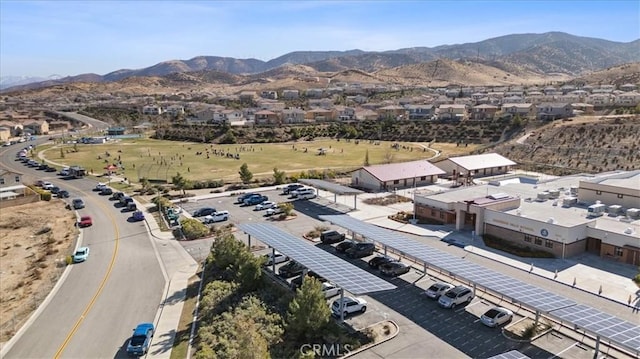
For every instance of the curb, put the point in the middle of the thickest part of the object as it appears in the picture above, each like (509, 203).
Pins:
(369, 346)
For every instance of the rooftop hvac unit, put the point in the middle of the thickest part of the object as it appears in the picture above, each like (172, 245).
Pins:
(569, 201)
(554, 193)
(633, 213)
(551, 220)
(596, 210)
(614, 209)
(573, 190)
(628, 230)
(542, 196)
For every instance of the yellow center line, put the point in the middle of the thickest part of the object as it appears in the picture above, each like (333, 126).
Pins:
(100, 288)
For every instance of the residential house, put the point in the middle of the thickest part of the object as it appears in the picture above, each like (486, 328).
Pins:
(477, 96)
(175, 110)
(452, 112)
(271, 105)
(600, 99)
(15, 128)
(266, 117)
(320, 115)
(551, 91)
(59, 125)
(151, 110)
(115, 131)
(290, 94)
(231, 116)
(40, 127)
(628, 87)
(314, 93)
(421, 112)
(321, 103)
(565, 89)
(366, 115)
(391, 111)
(271, 95)
(5, 133)
(334, 91)
(554, 111)
(388, 177)
(631, 98)
(357, 99)
(584, 108)
(9, 178)
(247, 96)
(484, 112)
(512, 99)
(523, 110)
(293, 115)
(344, 113)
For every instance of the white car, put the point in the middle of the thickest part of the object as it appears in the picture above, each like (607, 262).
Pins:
(100, 186)
(438, 289)
(330, 290)
(216, 217)
(496, 316)
(349, 305)
(304, 193)
(456, 296)
(265, 205)
(64, 171)
(47, 185)
(273, 210)
(279, 258)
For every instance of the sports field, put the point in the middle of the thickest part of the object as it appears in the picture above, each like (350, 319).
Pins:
(161, 160)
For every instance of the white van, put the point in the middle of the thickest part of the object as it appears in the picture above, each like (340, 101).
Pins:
(306, 193)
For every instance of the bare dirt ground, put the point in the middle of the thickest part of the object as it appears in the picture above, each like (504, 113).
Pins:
(33, 247)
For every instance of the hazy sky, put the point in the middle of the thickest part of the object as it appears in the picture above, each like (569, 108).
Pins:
(42, 38)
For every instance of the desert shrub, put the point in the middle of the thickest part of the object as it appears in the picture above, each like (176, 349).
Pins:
(193, 229)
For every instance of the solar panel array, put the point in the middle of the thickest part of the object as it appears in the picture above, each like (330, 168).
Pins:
(330, 186)
(604, 324)
(513, 354)
(336, 270)
(532, 296)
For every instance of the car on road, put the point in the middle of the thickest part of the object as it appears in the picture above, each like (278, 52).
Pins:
(377, 261)
(276, 257)
(394, 269)
(106, 191)
(242, 197)
(496, 316)
(80, 255)
(204, 211)
(456, 296)
(141, 339)
(438, 289)
(264, 205)
(344, 246)
(253, 200)
(137, 216)
(348, 305)
(331, 236)
(63, 194)
(216, 217)
(291, 269)
(77, 203)
(361, 249)
(291, 187)
(85, 221)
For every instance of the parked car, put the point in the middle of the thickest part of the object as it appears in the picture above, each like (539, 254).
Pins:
(496, 316)
(291, 187)
(276, 257)
(242, 197)
(204, 211)
(264, 205)
(80, 255)
(331, 236)
(64, 171)
(47, 185)
(305, 193)
(141, 339)
(273, 211)
(330, 290)
(106, 191)
(42, 166)
(344, 246)
(394, 269)
(77, 203)
(253, 200)
(130, 207)
(290, 269)
(297, 282)
(100, 186)
(125, 200)
(137, 216)
(116, 196)
(438, 289)
(348, 305)
(377, 261)
(50, 169)
(85, 221)
(216, 217)
(456, 296)
(361, 250)
(63, 194)
(54, 189)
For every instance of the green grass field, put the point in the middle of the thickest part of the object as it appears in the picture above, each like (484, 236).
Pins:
(161, 160)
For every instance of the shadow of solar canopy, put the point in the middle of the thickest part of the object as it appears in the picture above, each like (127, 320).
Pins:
(513, 354)
(600, 324)
(334, 269)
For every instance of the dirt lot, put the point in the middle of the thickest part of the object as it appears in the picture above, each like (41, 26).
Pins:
(33, 247)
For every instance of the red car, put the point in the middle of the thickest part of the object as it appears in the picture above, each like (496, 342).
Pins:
(85, 221)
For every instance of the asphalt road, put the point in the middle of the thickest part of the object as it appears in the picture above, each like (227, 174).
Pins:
(93, 313)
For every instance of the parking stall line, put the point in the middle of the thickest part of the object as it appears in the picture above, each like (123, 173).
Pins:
(557, 355)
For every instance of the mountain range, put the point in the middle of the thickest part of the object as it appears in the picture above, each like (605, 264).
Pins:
(544, 54)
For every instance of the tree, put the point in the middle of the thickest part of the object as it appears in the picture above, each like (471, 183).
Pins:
(278, 176)
(180, 183)
(366, 159)
(245, 174)
(308, 313)
(61, 153)
(146, 185)
(193, 229)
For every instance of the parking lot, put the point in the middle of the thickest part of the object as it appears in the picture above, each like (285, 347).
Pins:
(424, 325)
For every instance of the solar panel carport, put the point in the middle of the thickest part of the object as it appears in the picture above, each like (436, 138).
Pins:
(342, 273)
(624, 334)
(336, 189)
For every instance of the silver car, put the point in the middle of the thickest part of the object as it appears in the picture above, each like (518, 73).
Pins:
(438, 289)
(496, 316)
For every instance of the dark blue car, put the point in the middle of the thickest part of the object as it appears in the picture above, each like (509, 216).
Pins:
(141, 339)
(253, 200)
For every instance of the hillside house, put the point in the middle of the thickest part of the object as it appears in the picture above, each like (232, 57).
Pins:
(59, 125)
(512, 99)
(247, 96)
(314, 93)
(448, 112)
(421, 112)
(484, 112)
(39, 127)
(523, 110)
(293, 115)
(15, 128)
(391, 111)
(344, 113)
(630, 99)
(175, 110)
(320, 115)
(271, 95)
(628, 87)
(320, 103)
(554, 111)
(357, 99)
(115, 131)
(5, 133)
(290, 94)
(266, 117)
(600, 99)
(366, 115)
(9, 178)
(151, 110)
